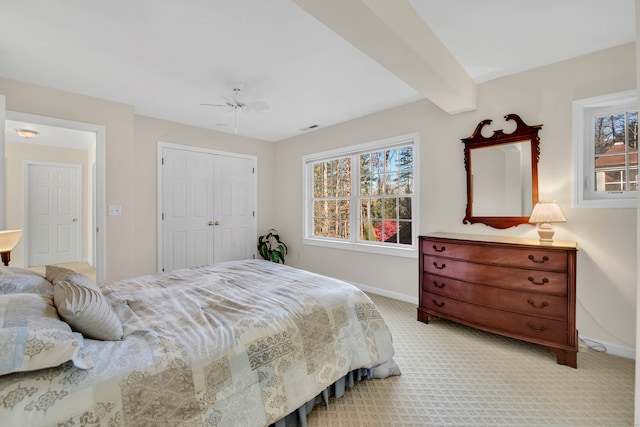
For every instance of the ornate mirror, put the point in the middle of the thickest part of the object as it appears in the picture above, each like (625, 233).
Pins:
(502, 174)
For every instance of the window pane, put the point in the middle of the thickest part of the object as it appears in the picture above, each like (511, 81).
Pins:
(365, 185)
(376, 208)
(405, 234)
(377, 162)
(344, 178)
(404, 208)
(390, 208)
(632, 130)
(365, 164)
(376, 184)
(320, 227)
(392, 160)
(616, 154)
(391, 183)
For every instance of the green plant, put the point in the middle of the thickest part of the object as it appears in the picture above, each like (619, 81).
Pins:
(271, 247)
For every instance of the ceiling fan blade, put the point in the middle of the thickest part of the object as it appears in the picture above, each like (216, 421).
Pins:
(215, 105)
(259, 105)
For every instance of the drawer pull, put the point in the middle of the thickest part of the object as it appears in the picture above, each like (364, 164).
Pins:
(542, 328)
(439, 304)
(532, 280)
(439, 286)
(534, 305)
(544, 259)
(435, 264)
(435, 248)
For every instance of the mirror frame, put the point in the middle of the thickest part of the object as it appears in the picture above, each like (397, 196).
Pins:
(522, 133)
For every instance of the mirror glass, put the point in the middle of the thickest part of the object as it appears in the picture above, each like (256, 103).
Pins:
(502, 174)
(501, 177)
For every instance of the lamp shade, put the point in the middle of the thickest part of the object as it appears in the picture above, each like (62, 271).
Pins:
(9, 239)
(546, 212)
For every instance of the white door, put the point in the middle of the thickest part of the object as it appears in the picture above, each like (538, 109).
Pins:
(234, 213)
(207, 208)
(187, 182)
(53, 213)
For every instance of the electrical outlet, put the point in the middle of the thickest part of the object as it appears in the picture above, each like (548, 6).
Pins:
(583, 347)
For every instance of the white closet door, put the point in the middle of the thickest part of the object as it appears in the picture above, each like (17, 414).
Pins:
(234, 232)
(208, 212)
(187, 209)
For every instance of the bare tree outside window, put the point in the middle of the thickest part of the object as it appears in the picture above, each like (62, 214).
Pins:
(383, 187)
(616, 152)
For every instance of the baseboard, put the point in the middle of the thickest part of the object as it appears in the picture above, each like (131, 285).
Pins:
(385, 293)
(615, 349)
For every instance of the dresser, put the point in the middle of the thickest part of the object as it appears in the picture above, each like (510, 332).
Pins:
(510, 286)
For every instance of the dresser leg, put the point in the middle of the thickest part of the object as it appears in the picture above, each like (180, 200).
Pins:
(423, 317)
(566, 357)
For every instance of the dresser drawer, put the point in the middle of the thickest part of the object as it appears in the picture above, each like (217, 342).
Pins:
(535, 329)
(529, 303)
(548, 282)
(517, 257)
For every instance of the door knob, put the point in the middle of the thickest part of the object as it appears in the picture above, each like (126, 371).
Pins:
(74, 219)
(212, 223)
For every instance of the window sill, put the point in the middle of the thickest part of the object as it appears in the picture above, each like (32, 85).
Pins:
(408, 252)
(606, 203)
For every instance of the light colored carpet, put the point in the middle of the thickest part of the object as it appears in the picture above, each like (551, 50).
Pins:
(453, 375)
(80, 267)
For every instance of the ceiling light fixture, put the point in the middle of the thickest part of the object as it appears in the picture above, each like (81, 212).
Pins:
(27, 133)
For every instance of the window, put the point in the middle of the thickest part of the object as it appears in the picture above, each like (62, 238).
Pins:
(363, 197)
(605, 133)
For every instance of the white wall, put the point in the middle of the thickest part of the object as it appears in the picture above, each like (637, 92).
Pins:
(606, 277)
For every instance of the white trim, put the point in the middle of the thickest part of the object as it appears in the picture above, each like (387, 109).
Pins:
(355, 244)
(385, 293)
(583, 160)
(615, 349)
(100, 227)
(159, 230)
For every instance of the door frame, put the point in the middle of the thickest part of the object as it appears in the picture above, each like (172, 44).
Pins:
(99, 207)
(77, 169)
(162, 145)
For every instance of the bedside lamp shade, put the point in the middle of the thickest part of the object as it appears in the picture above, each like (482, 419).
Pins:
(544, 214)
(8, 240)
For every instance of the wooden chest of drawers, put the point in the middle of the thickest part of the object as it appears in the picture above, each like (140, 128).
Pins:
(510, 286)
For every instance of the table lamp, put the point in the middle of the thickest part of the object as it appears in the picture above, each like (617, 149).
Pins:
(8, 240)
(544, 214)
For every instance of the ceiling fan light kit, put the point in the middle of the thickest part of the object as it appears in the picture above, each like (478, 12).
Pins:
(235, 103)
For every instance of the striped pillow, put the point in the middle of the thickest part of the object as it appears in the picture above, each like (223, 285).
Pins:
(86, 310)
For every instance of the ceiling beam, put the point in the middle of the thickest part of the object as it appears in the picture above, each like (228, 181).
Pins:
(394, 35)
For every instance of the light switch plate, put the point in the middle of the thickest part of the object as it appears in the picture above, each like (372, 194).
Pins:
(114, 210)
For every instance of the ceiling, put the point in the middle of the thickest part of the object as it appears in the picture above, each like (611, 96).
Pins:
(313, 63)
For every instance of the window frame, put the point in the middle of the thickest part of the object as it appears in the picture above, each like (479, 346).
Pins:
(354, 243)
(584, 112)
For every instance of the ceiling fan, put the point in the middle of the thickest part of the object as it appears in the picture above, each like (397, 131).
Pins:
(235, 104)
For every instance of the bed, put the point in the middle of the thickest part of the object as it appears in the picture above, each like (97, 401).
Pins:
(241, 343)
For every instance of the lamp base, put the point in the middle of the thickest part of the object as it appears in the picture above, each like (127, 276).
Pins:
(545, 231)
(6, 257)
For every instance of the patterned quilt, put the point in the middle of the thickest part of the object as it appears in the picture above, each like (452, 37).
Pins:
(241, 343)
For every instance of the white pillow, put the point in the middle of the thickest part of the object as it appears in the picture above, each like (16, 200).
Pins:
(33, 337)
(55, 273)
(87, 311)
